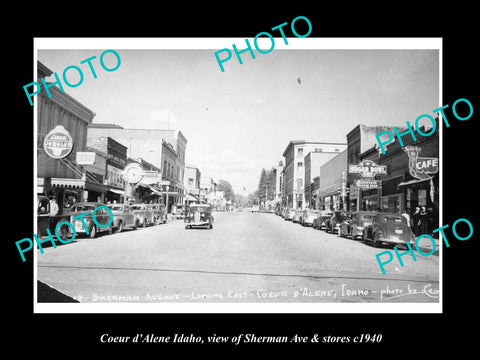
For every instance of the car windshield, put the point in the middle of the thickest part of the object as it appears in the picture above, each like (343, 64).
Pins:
(202, 209)
(394, 218)
(137, 207)
(85, 207)
(116, 208)
(312, 212)
(367, 217)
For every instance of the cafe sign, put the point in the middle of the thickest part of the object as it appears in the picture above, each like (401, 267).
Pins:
(367, 169)
(420, 167)
(58, 143)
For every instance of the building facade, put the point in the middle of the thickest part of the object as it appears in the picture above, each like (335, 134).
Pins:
(192, 184)
(115, 163)
(62, 178)
(332, 180)
(294, 172)
(164, 149)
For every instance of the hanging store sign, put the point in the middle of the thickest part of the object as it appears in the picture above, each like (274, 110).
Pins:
(367, 169)
(58, 143)
(367, 183)
(420, 167)
(85, 158)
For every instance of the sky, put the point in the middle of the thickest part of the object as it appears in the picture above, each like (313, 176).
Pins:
(240, 121)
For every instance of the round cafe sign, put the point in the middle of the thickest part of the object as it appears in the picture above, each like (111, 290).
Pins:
(58, 143)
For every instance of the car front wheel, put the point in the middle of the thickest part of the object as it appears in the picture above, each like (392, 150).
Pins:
(93, 232)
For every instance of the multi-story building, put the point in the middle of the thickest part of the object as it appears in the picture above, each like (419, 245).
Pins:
(313, 160)
(164, 149)
(116, 161)
(61, 177)
(332, 175)
(294, 171)
(192, 183)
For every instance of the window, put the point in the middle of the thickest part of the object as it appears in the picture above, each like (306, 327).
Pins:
(299, 165)
(337, 150)
(299, 184)
(318, 150)
(190, 181)
(300, 152)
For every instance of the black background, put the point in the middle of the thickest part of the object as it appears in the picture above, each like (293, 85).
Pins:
(408, 334)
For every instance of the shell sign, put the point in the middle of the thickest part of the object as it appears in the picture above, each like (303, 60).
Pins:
(58, 143)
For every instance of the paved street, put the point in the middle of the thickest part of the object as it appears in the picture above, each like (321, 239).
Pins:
(247, 257)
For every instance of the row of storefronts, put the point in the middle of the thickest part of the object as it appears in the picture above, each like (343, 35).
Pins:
(76, 164)
(360, 177)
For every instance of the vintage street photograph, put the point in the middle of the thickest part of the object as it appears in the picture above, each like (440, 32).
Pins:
(305, 179)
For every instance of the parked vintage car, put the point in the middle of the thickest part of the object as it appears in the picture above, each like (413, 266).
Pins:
(198, 215)
(354, 227)
(47, 221)
(297, 216)
(388, 228)
(255, 208)
(143, 213)
(123, 217)
(308, 216)
(102, 217)
(320, 222)
(336, 219)
(159, 212)
(289, 213)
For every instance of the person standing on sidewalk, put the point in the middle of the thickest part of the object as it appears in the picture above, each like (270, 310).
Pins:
(416, 221)
(424, 220)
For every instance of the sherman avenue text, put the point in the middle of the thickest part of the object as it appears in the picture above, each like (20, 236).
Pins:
(85, 223)
(383, 143)
(228, 56)
(389, 254)
(76, 69)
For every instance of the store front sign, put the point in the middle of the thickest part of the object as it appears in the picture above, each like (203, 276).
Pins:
(85, 158)
(367, 169)
(367, 184)
(58, 143)
(420, 167)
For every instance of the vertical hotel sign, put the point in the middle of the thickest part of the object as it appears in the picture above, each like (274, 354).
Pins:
(58, 143)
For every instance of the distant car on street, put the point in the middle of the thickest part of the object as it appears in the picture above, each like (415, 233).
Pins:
(123, 217)
(102, 217)
(255, 208)
(297, 216)
(289, 213)
(388, 228)
(198, 215)
(336, 219)
(179, 212)
(159, 212)
(320, 222)
(144, 215)
(308, 216)
(354, 227)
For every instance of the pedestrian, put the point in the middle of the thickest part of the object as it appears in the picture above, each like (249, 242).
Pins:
(406, 216)
(424, 220)
(416, 221)
(53, 206)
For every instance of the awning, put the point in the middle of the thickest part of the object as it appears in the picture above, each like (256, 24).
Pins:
(412, 182)
(149, 187)
(70, 183)
(116, 191)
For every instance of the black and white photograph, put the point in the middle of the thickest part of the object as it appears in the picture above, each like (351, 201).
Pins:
(197, 176)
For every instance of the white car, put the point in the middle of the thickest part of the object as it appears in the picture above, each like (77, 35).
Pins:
(255, 208)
